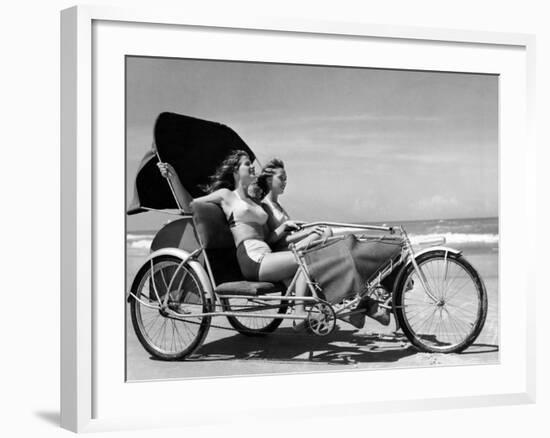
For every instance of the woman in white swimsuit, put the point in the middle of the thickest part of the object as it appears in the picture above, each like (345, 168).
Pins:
(248, 223)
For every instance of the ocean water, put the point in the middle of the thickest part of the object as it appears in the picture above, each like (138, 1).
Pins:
(477, 234)
(473, 234)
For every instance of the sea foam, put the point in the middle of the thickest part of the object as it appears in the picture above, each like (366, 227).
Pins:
(457, 238)
(139, 241)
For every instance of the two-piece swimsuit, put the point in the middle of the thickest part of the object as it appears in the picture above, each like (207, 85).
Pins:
(248, 219)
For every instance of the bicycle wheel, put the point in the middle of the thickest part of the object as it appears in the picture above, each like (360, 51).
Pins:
(161, 333)
(450, 320)
(251, 326)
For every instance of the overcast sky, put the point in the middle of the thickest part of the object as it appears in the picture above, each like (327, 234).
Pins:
(359, 144)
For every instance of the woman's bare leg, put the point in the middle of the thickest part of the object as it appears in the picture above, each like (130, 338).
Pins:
(277, 266)
(301, 291)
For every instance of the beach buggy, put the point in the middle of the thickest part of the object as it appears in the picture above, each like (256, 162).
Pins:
(191, 276)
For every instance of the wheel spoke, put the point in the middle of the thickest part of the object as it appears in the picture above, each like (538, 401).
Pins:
(159, 330)
(461, 310)
(419, 313)
(457, 323)
(154, 318)
(426, 319)
(457, 291)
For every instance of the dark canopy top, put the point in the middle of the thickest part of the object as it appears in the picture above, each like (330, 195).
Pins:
(194, 147)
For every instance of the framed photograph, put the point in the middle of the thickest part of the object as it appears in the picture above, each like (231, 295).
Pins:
(302, 207)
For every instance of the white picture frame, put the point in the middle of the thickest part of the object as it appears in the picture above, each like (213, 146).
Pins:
(87, 403)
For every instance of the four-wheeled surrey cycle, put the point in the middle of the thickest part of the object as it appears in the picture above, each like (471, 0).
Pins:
(191, 276)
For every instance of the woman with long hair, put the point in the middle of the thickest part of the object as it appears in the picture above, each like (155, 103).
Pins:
(247, 220)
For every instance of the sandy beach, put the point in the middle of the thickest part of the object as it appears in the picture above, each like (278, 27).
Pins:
(227, 353)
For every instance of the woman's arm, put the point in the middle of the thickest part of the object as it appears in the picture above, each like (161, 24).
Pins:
(185, 200)
(183, 197)
(302, 234)
(217, 197)
(276, 234)
(284, 233)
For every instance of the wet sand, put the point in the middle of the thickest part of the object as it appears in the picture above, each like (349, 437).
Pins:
(227, 353)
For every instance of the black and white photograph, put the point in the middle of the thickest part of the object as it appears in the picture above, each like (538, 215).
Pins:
(301, 218)
(286, 218)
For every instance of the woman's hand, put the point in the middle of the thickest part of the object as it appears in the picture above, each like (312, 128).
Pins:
(289, 226)
(166, 169)
(316, 229)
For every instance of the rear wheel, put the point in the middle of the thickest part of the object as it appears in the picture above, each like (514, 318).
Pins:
(253, 326)
(172, 331)
(450, 320)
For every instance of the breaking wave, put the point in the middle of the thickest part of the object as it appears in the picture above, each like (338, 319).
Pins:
(458, 238)
(139, 241)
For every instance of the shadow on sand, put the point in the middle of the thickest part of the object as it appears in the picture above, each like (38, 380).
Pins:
(339, 348)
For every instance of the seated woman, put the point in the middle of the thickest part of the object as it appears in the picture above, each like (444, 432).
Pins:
(272, 181)
(247, 220)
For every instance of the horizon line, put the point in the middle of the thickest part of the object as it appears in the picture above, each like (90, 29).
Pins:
(375, 222)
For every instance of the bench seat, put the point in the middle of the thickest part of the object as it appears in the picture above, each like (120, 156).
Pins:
(248, 288)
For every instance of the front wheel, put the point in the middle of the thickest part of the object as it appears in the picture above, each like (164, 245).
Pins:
(172, 331)
(449, 320)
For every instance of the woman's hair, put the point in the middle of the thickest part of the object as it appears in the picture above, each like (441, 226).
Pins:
(267, 172)
(223, 177)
